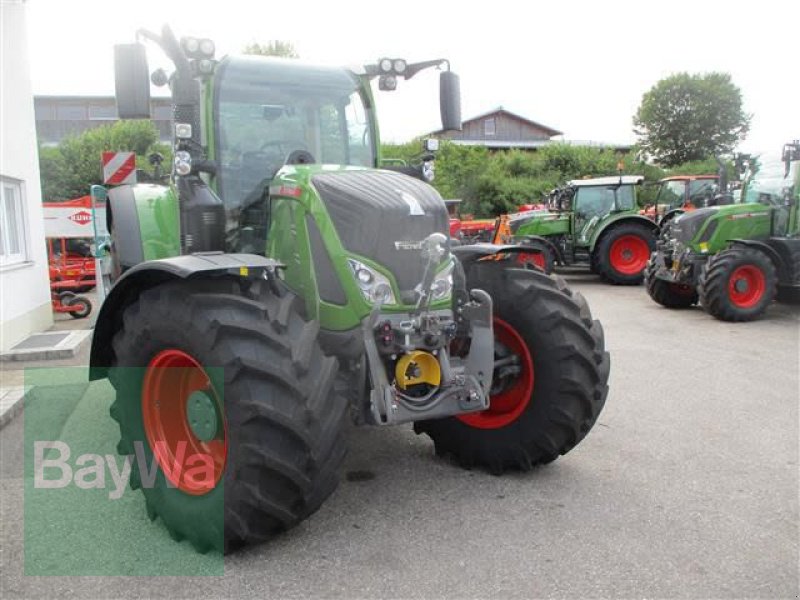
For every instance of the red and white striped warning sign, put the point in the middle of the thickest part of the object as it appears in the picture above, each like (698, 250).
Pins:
(119, 168)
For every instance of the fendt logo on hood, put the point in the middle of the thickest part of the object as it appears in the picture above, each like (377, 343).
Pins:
(82, 217)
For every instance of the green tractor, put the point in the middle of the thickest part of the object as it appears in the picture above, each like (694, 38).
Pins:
(282, 283)
(595, 222)
(736, 259)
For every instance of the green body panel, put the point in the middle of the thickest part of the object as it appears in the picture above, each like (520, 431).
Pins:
(546, 224)
(288, 242)
(157, 209)
(732, 222)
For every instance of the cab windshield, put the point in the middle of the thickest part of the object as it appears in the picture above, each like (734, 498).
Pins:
(271, 109)
(766, 183)
(671, 193)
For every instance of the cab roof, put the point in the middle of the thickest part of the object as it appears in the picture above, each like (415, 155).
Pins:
(608, 181)
(688, 177)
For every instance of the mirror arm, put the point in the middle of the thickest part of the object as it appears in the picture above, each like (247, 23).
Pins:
(169, 45)
(415, 68)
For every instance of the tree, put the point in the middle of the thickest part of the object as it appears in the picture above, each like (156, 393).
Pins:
(272, 48)
(691, 117)
(69, 169)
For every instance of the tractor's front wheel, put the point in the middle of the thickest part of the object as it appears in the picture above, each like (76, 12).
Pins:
(550, 380)
(227, 405)
(666, 293)
(738, 284)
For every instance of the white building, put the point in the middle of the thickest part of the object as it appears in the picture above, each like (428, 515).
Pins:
(24, 287)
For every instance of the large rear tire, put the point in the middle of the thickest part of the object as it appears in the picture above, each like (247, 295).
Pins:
(738, 284)
(253, 393)
(554, 398)
(665, 293)
(622, 253)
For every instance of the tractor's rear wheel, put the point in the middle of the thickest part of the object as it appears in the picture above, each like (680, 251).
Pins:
(622, 253)
(666, 293)
(551, 397)
(228, 389)
(738, 284)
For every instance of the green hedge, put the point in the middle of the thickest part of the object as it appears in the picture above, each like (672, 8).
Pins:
(493, 183)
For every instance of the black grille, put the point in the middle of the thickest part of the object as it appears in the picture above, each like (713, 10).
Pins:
(687, 226)
(372, 210)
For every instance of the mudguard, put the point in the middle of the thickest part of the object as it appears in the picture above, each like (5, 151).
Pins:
(783, 267)
(149, 274)
(474, 252)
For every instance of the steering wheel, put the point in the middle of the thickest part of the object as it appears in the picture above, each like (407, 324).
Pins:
(300, 157)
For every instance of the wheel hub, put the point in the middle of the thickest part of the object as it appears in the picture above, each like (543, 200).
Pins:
(740, 285)
(201, 413)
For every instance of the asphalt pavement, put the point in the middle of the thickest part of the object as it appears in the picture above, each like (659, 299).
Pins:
(687, 487)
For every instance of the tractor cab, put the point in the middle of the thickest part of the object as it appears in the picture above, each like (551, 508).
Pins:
(771, 180)
(685, 191)
(596, 199)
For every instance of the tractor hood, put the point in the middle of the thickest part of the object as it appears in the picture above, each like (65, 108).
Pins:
(536, 222)
(723, 223)
(383, 216)
(685, 227)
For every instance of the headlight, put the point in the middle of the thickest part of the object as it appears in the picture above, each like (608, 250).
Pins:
(207, 47)
(191, 45)
(183, 162)
(443, 283)
(428, 171)
(373, 285)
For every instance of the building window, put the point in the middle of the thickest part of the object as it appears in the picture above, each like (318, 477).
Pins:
(12, 223)
(489, 127)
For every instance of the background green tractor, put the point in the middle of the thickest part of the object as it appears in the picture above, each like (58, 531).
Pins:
(594, 221)
(735, 260)
(282, 283)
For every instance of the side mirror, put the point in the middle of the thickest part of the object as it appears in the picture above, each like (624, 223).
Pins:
(450, 100)
(131, 81)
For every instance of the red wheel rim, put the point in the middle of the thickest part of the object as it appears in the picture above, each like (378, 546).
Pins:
(531, 258)
(629, 254)
(746, 286)
(186, 460)
(507, 406)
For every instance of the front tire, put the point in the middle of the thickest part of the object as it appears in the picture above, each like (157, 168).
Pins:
(561, 386)
(668, 294)
(234, 374)
(738, 284)
(622, 253)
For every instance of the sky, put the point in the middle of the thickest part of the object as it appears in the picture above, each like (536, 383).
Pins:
(577, 66)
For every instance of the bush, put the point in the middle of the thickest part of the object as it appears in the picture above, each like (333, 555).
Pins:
(493, 183)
